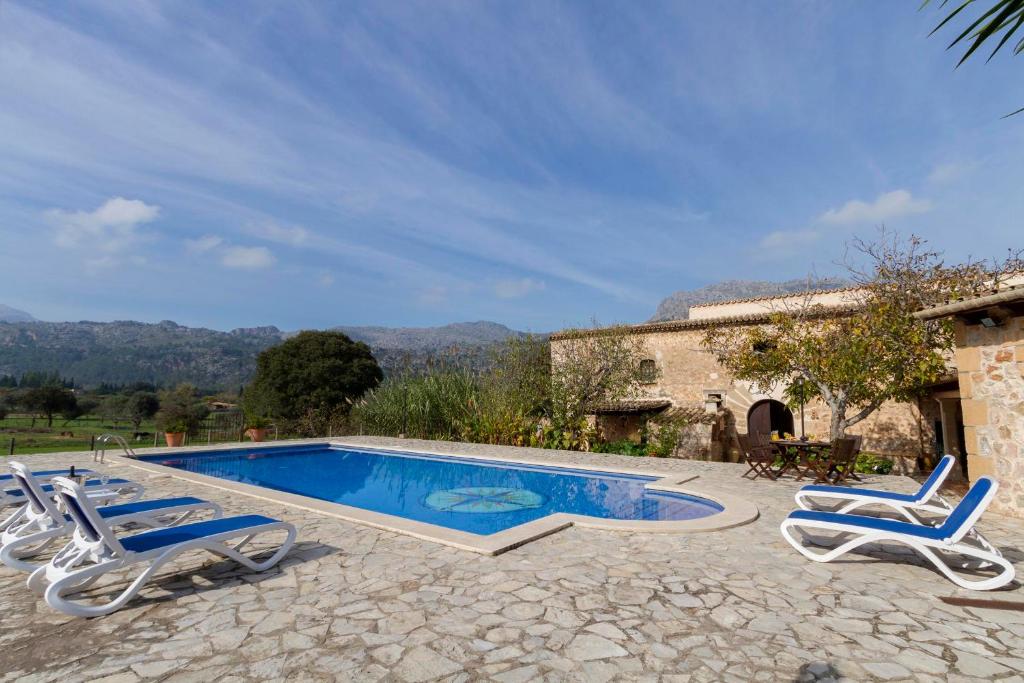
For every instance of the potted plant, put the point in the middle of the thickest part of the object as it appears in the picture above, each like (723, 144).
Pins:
(180, 413)
(174, 433)
(257, 427)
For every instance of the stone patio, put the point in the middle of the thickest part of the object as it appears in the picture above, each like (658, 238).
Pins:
(352, 602)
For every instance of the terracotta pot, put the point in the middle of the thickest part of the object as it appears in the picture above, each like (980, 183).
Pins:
(257, 433)
(174, 439)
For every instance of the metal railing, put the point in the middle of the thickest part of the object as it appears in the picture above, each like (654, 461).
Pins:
(100, 450)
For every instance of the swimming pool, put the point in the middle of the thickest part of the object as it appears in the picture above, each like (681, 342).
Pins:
(470, 495)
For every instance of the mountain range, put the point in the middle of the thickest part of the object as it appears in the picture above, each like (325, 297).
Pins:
(166, 353)
(13, 315)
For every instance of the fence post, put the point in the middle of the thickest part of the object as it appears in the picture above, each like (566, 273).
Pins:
(156, 435)
(92, 443)
(12, 446)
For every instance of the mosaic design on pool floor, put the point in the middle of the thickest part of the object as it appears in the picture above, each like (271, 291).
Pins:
(480, 499)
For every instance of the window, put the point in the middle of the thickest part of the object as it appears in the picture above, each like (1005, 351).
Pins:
(648, 371)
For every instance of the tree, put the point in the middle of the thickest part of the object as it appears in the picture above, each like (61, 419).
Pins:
(1004, 17)
(312, 371)
(140, 406)
(114, 408)
(49, 401)
(590, 367)
(180, 410)
(879, 352)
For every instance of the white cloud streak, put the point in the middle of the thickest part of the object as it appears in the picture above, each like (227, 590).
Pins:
(203, 244)
(112, 227)
(788, 239)
(247, 258)
(886, 206)
(517, 288)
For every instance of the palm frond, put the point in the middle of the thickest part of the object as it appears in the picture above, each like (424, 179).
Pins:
(1002, 20)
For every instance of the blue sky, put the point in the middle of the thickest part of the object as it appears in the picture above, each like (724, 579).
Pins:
(540, 164)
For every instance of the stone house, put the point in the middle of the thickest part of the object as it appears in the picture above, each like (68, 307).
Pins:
(685, 374)
(990, 368)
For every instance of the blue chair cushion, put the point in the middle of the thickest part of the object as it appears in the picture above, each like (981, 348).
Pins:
(871, 524)
(162, 538)
(146, 506)
(872, 493)
(46, 473)
(89, 483)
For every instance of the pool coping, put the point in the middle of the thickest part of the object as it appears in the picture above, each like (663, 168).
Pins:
(736, 511)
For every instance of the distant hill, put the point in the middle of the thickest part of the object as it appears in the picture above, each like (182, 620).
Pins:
(410, 348)
(166, 353)
(677, 306)
(120, 352)
(13, 315)
(431, 338)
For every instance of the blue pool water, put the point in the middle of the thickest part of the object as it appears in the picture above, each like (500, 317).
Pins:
(480, 497)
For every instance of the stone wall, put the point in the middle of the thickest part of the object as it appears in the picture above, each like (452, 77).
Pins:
(990, 362)
(687, 373)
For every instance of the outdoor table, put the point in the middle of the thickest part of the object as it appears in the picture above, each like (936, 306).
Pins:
(796, 454)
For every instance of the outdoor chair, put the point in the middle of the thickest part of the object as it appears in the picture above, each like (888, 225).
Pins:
(100, 488)
(953, 536)
(832, 464)
(844, 499)
(759, 455)
(39, 524)
(43, 476)
(840, 474)
(95, 550)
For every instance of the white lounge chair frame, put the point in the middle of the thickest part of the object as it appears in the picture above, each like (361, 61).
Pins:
(847, 499)
(957, 541)
(95, 551)
(99, 488)
(40, 523)
(926, 500)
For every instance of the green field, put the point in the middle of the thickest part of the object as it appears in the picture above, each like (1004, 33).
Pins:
(33, 436)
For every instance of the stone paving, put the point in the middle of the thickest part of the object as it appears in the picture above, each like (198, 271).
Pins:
(356, 603)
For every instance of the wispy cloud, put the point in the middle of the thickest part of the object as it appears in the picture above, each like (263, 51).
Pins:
(292, 235)
(517, 288)
(201, 245)
(247, 258)
(949, 172)
(885, 207)
(789, 239)
(112, 227)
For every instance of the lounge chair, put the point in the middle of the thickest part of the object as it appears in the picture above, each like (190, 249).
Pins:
(39, 524)
(98, 488)
(845, 499)
(952, 536)
(95, 550)
(44, 475)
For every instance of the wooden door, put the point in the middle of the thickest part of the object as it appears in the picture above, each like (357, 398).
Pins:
(759, 420)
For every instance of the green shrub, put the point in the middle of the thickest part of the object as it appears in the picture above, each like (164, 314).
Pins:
(868, 463)
(624, 447)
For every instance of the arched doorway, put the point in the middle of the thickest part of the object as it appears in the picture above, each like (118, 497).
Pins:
(768, 416)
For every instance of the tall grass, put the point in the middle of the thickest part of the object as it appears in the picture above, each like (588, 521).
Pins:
(504, 404)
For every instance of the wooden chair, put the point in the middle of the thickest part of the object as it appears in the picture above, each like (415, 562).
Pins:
(842, 470)
(759, 455)
(835, 465)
